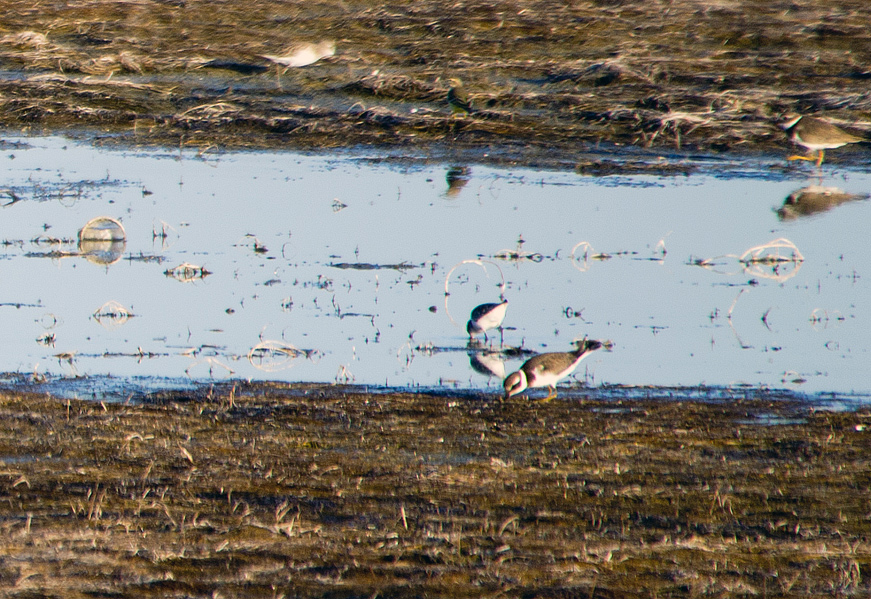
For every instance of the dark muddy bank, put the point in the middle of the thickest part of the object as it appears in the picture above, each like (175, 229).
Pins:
(272, 491)
(275, 491)
(555, 85)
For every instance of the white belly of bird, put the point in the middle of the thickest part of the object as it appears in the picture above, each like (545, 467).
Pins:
(821, 145)
(544, 378)
(493, 319)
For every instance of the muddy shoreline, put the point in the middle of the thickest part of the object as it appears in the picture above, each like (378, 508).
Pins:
(555, 86)
(274, 490)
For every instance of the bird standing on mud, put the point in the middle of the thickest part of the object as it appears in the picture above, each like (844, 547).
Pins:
(546, 370)
(303, 55)
(458, 98)
(486, 317)
(816, 135)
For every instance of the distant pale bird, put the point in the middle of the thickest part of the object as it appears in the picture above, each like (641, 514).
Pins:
(546, 370)
(486, 317)
(816, 135)
(304, 54)
(458, 98)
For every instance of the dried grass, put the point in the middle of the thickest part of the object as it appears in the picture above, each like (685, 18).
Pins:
(544, 77)
(263, 491)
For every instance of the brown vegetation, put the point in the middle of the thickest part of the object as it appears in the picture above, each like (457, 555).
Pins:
(274, 491)
(549, 80)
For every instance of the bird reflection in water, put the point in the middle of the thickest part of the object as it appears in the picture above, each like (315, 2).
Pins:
(488, 363)
(546, 370)
(457, 177)
(814, 199)
(458, 98)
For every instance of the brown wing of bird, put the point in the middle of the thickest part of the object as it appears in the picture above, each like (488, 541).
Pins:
(459, 100)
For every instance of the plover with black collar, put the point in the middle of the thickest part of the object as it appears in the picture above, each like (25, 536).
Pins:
(546, 370)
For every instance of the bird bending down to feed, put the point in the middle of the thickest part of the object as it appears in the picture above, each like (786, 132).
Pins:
(546, 370)
(458, 99)
(486, 317)
(816, 135)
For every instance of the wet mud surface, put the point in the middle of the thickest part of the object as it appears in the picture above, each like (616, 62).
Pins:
(318, 491)
(274, 490)
(553, 85)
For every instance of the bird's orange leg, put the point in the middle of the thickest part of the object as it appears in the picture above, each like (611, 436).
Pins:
(800, 157)
(820, 158)
(550, 395)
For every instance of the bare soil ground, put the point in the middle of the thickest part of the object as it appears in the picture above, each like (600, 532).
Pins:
(273, 491)
(556, 84)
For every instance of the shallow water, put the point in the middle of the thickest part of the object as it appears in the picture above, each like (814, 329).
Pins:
(333, 268)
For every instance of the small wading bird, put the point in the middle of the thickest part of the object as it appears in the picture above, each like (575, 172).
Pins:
(486, 317)
(816, 135)
(458, 99)
(546, 370)
(303, 55)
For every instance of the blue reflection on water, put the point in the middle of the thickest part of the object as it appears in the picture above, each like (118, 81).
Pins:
(334, 269)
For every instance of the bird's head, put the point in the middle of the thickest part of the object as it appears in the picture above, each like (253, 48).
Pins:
(472, 328)
(515, 383)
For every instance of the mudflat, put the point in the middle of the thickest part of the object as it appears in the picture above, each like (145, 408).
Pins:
(271, 490)
(552, 84)
(314, 491)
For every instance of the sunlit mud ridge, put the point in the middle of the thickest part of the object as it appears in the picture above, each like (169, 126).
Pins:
(550, 83)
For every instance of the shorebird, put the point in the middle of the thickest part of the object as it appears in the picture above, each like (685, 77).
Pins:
(546, 370)
(303, 55)
(486, 317)
(816, 135)
(458, 99)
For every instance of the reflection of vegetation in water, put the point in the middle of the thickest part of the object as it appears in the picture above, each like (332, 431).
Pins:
(187, 272)
(778, 259)
(66, 193)
(112, 315)
(272, 356)
(770, 262)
